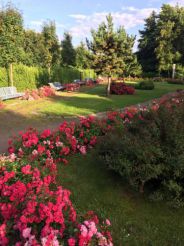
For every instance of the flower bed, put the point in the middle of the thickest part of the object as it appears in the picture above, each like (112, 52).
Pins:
(34, 210)
(72, 87)
(121, 89)
(45, 91)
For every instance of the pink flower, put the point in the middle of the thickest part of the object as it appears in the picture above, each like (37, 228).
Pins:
(26, 233)
(71, 242)
(108, 222)
(26, 169)
(83, 150)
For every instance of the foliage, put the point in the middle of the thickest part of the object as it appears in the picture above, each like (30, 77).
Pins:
(25, 77)
(45, 91)
(11, 35)
(147, 44)
(148, 151)
(161, 42)
(68, 54)
(146, 85)
(82, 57)
(121, 89)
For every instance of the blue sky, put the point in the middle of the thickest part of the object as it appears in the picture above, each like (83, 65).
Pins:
(79, 16)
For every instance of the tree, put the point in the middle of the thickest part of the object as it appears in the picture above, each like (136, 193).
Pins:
(68, 54)
(82, 56)
(51, 42)
(108, 50)
(170, 36)
(147, 44)
(132, 67)
(11, 38)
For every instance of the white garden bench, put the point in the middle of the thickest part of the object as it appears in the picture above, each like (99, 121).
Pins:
(9, 92)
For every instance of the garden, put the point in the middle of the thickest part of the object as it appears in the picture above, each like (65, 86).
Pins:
(96, 158)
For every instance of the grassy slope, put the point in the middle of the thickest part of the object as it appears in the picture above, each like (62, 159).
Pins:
(135, 220)
(90, 100)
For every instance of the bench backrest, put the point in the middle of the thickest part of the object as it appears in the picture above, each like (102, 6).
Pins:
(8, 91)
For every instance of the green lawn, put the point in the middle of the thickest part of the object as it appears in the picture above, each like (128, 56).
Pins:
(87, 101)
(135, 220)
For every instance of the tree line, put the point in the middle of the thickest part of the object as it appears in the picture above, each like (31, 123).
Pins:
(109, 51)
(161, 43)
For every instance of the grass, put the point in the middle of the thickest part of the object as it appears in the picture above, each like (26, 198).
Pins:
(88, 101)
(135, 220)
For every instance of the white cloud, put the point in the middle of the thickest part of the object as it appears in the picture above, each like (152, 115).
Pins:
(175, 2)
(128, 17)
(38, 23)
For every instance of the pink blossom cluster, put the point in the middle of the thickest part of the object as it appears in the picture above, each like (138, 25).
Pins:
(35, 211)
(44, 91)
(72, 86)
(121, 89)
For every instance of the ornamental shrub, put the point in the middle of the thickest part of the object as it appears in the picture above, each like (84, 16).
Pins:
(121, 89)
(148, 152)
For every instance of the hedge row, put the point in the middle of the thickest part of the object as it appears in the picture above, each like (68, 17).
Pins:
(68, 74)
(33, 77)
(24, 77)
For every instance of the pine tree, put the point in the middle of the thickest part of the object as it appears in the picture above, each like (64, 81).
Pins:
(106, 50)
(82, 56)
(51, 42)
(68, 54)
(147, 45)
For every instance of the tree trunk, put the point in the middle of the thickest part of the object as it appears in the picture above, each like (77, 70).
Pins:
(141, 187)
(49, 73)
(109, 86)
(11, 74)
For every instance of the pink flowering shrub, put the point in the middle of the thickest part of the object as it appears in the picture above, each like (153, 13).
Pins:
(35, 211)
(1, 105)
(121, 89)
(45, 91)
(72, 87)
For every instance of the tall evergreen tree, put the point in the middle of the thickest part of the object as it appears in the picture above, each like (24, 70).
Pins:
(11, 38)
(68, 54)
(51, 42)
(82, 56)
(110, 50)
(170, 36)
(147, 44)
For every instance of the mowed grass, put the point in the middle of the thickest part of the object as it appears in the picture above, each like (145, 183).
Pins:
(135, 220)
(87, 101)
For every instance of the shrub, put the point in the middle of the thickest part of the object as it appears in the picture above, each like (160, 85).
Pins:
(45, 91)
(148, 153)
(175, 81)
(72, 87)
(146, 85)
(143, 85)
(121, 89)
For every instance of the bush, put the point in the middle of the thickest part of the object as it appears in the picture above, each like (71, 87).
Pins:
(146, 85)
(44, 91)
(121, 89)
(143, 85)
(148, 153)
(175, 81)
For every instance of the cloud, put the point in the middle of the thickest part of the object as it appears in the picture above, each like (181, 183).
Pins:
(175, 2)
(129, 17)
(39, 23)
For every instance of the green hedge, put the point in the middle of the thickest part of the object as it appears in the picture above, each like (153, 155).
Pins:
(33, 77)
(68, 74)
(24, 77)
(143, 85)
